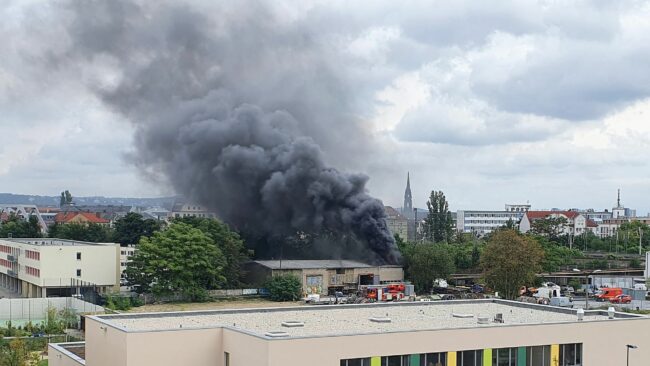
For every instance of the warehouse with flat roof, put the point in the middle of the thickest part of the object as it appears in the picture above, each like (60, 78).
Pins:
(486, 332)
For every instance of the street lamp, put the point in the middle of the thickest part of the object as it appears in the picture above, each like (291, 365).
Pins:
(587, 274)
(629, 347)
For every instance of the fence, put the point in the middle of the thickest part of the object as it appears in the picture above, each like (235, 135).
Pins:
(35, 310)
(216, 294)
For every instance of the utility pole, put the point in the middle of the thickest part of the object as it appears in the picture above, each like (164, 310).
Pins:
(640, 238)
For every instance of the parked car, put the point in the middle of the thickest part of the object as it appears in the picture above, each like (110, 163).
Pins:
(621, 299)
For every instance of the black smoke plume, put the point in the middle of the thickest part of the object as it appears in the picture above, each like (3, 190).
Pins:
(232, 107)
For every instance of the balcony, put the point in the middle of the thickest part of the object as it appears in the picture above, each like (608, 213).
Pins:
(12, 258)
(11, 273)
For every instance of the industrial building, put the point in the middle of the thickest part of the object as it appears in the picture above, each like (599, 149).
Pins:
(449, 333)
(45, 267)
(324, 276)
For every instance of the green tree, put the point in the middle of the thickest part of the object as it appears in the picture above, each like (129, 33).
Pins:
(66, 198)
(15, 354)
(130, 228)
(425, 262)
(550, 227)
(284, 288)
(556, 256)
(438, 226)
(181, 259)
(19, 228)
(228, 242)
(510, 260)
(90, 232)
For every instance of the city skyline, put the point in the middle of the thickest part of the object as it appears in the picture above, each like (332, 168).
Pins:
(549, 124)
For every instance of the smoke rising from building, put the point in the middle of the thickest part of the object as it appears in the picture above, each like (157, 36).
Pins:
(234, 109)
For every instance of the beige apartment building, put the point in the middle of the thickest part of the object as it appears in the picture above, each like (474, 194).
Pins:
(52, 267)
(486, 332)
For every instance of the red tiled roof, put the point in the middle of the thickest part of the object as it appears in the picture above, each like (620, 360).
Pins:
(535, 215)
(65, 217)
(591, 223)
(4, 217)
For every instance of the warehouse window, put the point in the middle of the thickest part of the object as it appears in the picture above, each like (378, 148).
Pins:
(356, 362)
(78, 255)
(78, 273)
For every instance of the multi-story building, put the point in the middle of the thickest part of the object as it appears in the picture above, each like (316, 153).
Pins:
(486, 332)
(484, 222)
(576, 223)
(184, 209)
(74, 217)
(397, 223)
(125, 256)
(49, 267)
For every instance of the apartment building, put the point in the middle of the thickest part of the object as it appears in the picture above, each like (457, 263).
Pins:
(49, 267)
(397, 223)
(484, 222)
(486, 332)
(576, 223)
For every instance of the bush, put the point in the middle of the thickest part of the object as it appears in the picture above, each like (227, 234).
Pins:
(284, 288)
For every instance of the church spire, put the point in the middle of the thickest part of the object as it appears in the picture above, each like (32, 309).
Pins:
(618, 200)
(408, 201)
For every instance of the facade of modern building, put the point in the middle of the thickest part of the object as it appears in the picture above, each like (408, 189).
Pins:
(45, 267)
(484, 222)
(397, 223)
(323, 276)
(486, 332)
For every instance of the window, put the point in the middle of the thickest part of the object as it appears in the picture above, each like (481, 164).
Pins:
(504, 357)
(538, 356)
(226, 359)
(571, 354)
(395, 361)
(78, 273)
(433, 359)
(470, 358)
(356, 362)
(78, 256)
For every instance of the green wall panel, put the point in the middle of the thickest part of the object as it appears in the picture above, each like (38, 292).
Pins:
(521, 356)
(415, 360)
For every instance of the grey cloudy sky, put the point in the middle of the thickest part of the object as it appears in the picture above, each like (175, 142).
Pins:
(493, 103)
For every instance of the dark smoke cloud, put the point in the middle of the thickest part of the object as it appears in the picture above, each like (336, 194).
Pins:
(232, 109)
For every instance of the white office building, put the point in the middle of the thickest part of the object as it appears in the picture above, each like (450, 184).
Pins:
(53, 267)
(484, 222)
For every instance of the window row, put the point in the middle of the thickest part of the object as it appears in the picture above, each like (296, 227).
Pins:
(564, 354)
(33, 271)
(31, 254)
(5, 263)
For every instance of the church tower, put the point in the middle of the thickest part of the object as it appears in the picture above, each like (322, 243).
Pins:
(407, 209)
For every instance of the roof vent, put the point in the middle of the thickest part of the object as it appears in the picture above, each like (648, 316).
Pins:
(462, 316)
(277, 334)
(581, 314)
(611, 312)
(483, 320)
(380, 319)
(293, 324)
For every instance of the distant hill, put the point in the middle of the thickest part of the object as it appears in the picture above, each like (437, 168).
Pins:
(13, 199)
